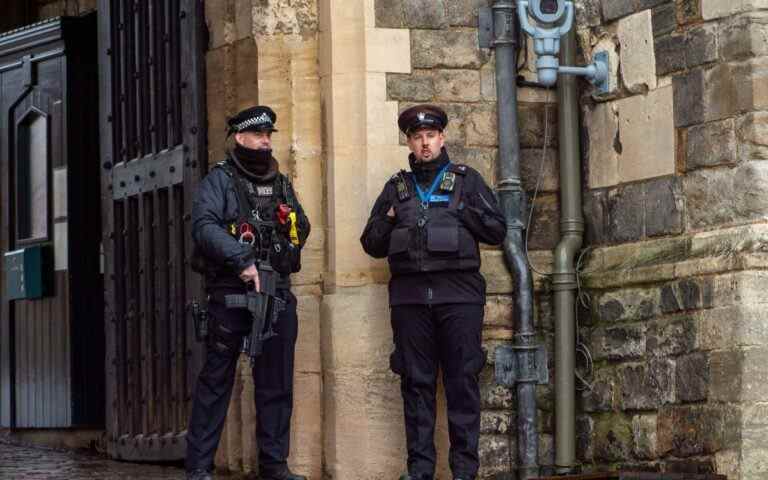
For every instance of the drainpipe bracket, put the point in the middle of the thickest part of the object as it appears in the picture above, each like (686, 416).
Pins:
(488, 37)
(513, 365)
(485, 27)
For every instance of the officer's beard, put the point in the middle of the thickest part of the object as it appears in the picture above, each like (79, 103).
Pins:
(256, 161)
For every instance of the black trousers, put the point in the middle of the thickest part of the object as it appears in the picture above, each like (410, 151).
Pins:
(272, 378)
(427, 338)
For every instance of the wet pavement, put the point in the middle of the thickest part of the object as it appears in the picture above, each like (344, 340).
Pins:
(17, 462)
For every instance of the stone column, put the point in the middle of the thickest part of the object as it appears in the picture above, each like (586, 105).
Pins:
(267, 53)
(363, 428)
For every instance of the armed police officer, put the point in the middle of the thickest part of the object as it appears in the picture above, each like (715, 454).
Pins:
(428, 222)
(248, 229)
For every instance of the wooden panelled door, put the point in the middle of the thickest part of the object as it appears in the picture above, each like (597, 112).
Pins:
(152, 88)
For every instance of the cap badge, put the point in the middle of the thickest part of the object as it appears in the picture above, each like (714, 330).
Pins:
(421, 116)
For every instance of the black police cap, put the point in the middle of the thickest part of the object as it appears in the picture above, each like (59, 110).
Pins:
(258, 119)
(422, 116)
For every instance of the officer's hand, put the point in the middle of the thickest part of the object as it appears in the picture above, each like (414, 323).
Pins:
(251, 274)
(391, 213)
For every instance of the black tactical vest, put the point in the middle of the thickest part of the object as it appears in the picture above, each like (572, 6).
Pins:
(431, 239)
(258, 207)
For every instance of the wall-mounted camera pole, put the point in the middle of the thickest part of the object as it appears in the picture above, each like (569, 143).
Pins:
(554, 19)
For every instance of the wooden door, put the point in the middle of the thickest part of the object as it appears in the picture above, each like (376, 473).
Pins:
(51, 347)
(153, 138)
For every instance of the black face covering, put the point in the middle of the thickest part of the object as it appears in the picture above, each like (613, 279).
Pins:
(255, 161)
(425, 171)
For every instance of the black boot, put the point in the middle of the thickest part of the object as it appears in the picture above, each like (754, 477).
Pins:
(199, 474)
(282, 475)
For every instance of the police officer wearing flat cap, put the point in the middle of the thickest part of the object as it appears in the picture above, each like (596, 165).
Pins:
(246, 223)
(428, 223)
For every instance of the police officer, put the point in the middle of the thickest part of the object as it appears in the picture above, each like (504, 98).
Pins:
(428, 223)
(246, 218)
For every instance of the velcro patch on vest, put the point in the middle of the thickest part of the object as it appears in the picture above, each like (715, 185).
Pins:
(264, 190)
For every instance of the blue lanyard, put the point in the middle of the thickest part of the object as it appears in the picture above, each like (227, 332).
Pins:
(426, 197)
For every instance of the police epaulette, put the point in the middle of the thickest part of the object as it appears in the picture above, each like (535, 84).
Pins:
(226, 166)
(458, 168)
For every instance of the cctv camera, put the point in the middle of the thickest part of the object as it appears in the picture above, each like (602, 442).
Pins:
(547, 11)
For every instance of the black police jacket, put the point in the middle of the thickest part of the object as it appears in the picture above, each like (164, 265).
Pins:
(215, 209)
(433, 253)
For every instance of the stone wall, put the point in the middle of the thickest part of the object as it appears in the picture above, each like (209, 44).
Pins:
(57, 8)
(673, 167)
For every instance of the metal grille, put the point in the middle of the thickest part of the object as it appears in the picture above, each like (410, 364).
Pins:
(154, 149)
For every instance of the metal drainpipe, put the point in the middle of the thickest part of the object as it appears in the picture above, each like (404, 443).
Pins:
(564, 275)
(511, 196)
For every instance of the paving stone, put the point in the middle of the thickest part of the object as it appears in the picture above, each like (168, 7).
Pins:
(45, 463)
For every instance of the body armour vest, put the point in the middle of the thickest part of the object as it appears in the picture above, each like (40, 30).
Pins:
(257, 221)
(428, 235)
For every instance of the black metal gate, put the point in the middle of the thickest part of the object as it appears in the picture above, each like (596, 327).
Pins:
(153, 138)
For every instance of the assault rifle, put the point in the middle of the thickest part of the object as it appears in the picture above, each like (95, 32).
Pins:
(265, 307)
